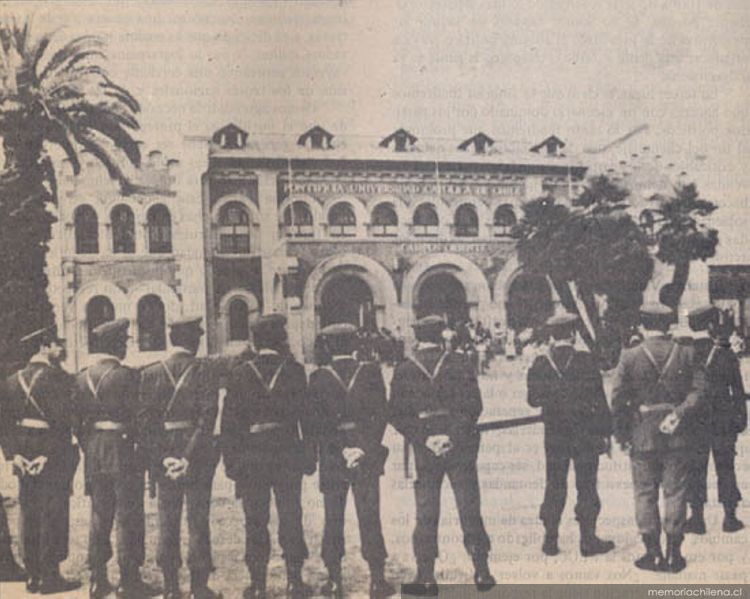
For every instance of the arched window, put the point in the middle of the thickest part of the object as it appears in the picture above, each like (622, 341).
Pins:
(151, 321)
(123, 230)
(239, 320)
(504, 221)
(341, 221)
(159, 230)
(384, 221)
(298, 220)
(234, 229)
(86, 230)
(425, 221)
(98, 311)
(466, 223)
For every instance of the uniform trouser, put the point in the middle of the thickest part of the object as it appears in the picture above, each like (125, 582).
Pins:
(6, 553)
(668, 470)
(197, 497)
(43, 518)
(256, 503)
(366, 491)
(723, 449)
(586, 466)
(117, 498)
(465, 483)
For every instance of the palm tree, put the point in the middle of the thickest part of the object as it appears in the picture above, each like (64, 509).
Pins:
(50, 97)
(682, 236)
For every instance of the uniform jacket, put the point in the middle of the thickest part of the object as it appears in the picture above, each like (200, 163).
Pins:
(175, 390)
(348, 401)
(109, 452)
(453, 397)
(567, 385)
(277, 397)
(636, 383)
(50, 388)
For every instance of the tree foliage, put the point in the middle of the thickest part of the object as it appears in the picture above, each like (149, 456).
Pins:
(49, 96)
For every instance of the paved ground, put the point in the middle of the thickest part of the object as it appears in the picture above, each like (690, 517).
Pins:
(512, 475)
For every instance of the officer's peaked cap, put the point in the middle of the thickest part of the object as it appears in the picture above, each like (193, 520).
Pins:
(339, 329)
(111, 329)
(656, 314)
(564, 320)
(268, 323)
(701, 317)
(429, 323)
(40, 335)
(186, 323)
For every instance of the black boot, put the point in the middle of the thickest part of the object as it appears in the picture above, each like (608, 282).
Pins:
(10, 571)
(695, 524)
(590, 543)
(132, 585)
(653, 559)
(379, 586)
(731, 522)
(483, 579)
(295, 587)
(674, 562)
(171, 584)
(424, 584)
(549, 546)
(257, 588)
(199, 585)
(332, 587)
(99, 585)
(53, 582)
(33, 582)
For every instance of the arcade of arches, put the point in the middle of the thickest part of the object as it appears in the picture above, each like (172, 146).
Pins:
(360, 291)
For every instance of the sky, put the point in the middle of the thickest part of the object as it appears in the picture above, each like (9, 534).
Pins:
(587, 70)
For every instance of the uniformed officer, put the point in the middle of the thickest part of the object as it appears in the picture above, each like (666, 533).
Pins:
(177, 413)
(722, 418)
(567, 385)
(348, 400)
(435, 403)
(44, 459)
(657, 387)
(267, 445)
(106, 394)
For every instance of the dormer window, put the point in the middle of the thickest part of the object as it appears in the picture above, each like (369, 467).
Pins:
(399, 141)
(316, 138)
(480, 142)
(230, 137)
(552, 146)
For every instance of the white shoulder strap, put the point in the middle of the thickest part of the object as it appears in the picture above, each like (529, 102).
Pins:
(178, 385)
(95, 388)
(29, 387)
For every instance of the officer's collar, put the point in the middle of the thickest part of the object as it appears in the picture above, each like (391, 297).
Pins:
(178, 350)
(427, 345)
(98, 357)
(655, 334)
(267, 351)
(40, 358)
(342, 357)
(561, 343)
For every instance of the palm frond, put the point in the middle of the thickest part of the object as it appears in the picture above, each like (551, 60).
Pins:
(68, 51)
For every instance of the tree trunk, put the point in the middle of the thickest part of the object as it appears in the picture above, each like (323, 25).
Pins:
(677, 285)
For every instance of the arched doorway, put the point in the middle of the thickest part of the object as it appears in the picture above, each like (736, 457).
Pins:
(530, 301)
(347, 298)
(442, 293)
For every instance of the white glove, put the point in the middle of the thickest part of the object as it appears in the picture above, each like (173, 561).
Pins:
(176, 467)
(439, 444)
(670, 423)
(352, 455)
(37, 465)
(21, 464)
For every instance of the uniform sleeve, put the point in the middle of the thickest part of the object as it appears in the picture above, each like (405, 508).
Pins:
(231, 423)
(400, 413)
(7, 422)
(377, 408)
(601, 417)
(696, 392)
(622, 400)
(536, 390)
(738, 393)
(474, 405)
(147, 418)
(78, 406)
(306, 416)
(208, 408)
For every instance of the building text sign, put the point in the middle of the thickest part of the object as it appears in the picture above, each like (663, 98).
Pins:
(317, 188)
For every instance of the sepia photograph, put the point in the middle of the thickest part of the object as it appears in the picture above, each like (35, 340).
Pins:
(374, 298)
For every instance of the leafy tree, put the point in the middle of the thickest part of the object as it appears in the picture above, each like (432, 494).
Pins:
(49, 97)
(596, 257)
(682, 236)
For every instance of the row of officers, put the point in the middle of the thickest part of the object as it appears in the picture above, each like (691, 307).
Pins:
(673, 402)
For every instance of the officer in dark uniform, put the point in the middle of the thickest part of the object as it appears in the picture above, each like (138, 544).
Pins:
(567, 385)
(658, 386)
(723, 416)
(177, 413)
(267, 445)
(435, 403)
(38, 402)
(348, 400)
(106, 394)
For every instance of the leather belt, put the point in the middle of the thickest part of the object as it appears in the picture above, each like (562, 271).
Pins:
(178, 425)
(432, 414)
(346, 426)
(108, 425)
(656, 407)
(34, 423)
(263, 427)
